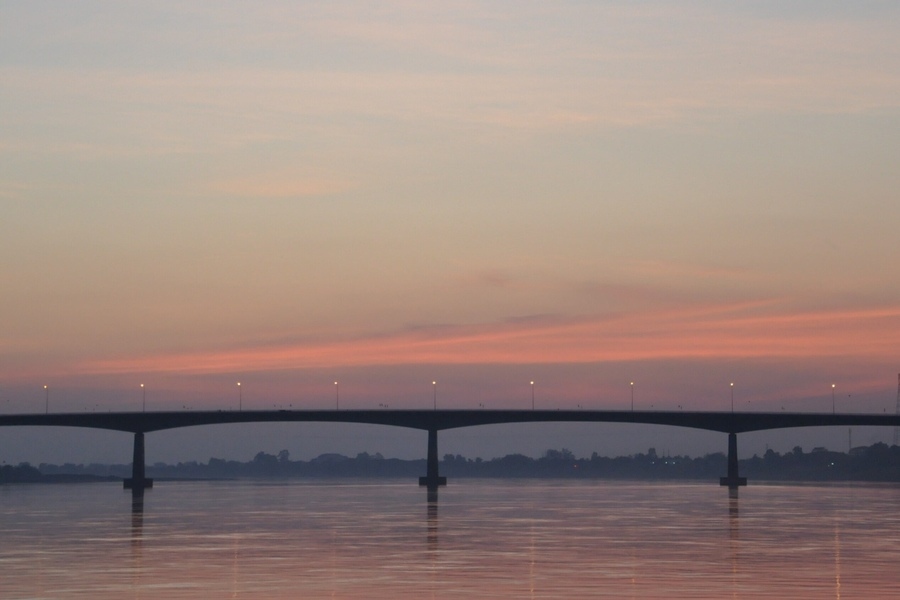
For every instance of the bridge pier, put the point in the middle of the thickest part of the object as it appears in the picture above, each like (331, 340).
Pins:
(732, 480)
(138, 481)
(432, 480)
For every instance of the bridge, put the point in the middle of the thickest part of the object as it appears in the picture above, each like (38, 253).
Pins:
(432, 421)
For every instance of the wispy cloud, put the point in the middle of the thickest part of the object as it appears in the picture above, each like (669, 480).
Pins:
(276, 187)
(495, 278)
(563, 69)
(715, 332)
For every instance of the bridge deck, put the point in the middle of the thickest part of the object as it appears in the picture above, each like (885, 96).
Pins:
(436, 420)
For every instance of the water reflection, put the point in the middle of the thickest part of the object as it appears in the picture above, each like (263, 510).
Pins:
(137, 517)
(734, 538)
(733, 512)
(495, 540)
(432, 518)
(137, 537)
(837, 560)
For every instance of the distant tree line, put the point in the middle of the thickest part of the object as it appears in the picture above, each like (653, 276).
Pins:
(25, 473)
(878, 462)
(22, 473)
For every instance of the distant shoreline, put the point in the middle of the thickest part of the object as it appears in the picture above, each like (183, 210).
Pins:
(63, 478)
(878, 462)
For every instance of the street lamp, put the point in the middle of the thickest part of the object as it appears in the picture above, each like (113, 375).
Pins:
(632, 396)
(46, 400)
(434, 387)
(337, 396)
(240, 397)
(732, 397)
(143, 398)
(532, 395)
(832, 398)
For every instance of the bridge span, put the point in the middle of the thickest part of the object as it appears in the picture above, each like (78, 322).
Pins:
(432, 421)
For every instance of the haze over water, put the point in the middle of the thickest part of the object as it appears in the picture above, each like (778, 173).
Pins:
(480, 539)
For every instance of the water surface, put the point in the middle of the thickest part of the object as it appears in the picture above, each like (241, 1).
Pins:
(478, 539)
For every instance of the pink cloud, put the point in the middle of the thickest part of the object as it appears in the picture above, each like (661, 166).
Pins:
(714, 332)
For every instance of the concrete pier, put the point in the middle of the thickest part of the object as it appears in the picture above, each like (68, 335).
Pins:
(138, 480)
(432, 480)
(732, 480)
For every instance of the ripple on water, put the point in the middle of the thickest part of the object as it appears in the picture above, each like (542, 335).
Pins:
(482, 539)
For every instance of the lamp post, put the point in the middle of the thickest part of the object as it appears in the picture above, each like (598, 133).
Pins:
(532, 395)
(632, 396)
(832, 398)
(732, 397)
(46, 400)
(337, 396)
(434, 388)
(240, 398)
(143, 398)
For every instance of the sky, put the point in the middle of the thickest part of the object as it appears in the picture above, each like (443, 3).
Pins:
(683, 195)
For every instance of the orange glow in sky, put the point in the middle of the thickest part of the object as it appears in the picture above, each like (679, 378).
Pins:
(714, 333)
(327, 189)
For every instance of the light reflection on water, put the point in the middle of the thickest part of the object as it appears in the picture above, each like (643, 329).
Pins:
(477, 539)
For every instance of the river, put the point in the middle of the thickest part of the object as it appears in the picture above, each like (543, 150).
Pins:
(478, 539)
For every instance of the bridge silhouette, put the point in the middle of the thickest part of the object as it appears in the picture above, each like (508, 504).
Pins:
(433, 421)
